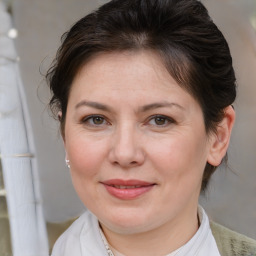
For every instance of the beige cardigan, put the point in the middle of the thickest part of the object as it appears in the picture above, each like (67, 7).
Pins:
(231, 243)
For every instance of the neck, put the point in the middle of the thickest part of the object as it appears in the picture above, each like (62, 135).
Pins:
(160, 241)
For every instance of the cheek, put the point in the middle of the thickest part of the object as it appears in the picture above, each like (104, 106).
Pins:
(86, 156)
(179, 156)
(86, 159)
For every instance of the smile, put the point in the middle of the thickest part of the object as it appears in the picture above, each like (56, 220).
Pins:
(127, 189)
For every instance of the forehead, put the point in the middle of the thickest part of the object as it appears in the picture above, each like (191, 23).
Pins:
(128, 75)
(136, 66)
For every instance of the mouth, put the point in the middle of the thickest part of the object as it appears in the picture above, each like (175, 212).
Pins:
(127, 189)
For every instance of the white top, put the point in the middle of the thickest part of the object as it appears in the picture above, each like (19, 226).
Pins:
(83, 238)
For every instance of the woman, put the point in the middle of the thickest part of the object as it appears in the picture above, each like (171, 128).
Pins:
(143, 91)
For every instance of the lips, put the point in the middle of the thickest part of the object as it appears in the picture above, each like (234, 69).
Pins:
(127, 189)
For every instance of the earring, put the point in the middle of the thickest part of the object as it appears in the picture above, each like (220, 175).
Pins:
(67, 163)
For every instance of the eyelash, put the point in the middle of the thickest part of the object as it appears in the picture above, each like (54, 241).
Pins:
(167, 120)
(87, 119)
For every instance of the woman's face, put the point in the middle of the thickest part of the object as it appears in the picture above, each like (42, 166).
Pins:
(136, 142)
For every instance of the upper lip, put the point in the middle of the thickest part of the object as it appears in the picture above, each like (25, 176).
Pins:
(120, 182)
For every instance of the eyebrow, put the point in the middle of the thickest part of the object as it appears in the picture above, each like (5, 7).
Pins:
(160, 105)
(93, 105)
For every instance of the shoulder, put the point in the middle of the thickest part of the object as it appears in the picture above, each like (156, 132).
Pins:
(69, 242)
(81, 238)
(231, 243)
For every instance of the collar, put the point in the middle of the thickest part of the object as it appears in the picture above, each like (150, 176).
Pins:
(201, 244)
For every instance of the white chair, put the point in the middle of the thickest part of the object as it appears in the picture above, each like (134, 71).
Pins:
(28, 229)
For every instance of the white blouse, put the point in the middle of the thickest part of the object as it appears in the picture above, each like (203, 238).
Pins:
(83, 238)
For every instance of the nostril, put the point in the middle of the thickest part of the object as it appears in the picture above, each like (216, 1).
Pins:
(128, 164)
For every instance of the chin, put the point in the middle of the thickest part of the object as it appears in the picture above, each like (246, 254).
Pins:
(127, 224)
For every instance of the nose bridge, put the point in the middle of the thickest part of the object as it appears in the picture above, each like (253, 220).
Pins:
(126, 148)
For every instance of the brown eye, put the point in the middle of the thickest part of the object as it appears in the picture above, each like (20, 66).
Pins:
(98, 120)
(161, 121)
(94, 121)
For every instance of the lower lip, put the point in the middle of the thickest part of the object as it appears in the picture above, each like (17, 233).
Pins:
(128, 193)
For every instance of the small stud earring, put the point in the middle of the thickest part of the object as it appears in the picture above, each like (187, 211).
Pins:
(67, 163)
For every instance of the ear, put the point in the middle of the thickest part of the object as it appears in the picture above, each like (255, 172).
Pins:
(59, 115)
(219, 140)
(63, 139)
(61, 128)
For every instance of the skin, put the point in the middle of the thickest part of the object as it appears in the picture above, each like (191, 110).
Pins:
(126, 141)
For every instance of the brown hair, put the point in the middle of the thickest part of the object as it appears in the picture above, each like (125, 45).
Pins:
(191, 46)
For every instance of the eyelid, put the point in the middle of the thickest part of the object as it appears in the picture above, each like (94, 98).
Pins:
(85, 120)
(169, 119)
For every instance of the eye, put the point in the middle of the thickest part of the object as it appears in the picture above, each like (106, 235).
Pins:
(95, 120)
(159, 120)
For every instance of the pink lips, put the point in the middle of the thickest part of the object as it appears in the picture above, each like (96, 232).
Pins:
(127, 189)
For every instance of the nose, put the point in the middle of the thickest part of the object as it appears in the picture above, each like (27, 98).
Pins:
(127, 148)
